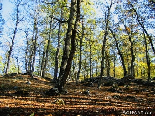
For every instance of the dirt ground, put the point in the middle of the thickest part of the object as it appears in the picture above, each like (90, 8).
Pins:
(136, 100)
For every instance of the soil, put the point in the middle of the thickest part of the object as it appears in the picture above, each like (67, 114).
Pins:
(21, 95)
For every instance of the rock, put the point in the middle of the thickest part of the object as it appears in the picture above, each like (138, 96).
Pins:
(52, 92)
(116, 97)
(120, 83)
(21, 93)
(64, 91)
(128, 78)
(108, 83)
(146, 83)
(86, 92)
(89, 84)
(11, 75)
(112, 89)
(28, 82)
(138, 81)
(16, 87)
(130, 98)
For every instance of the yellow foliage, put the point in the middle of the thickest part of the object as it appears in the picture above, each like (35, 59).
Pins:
(59, 102)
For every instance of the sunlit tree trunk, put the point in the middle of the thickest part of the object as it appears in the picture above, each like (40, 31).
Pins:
(107, 63)
(129, 32)
(104, 42)
(71, 34)
(80, 60)
(57, 52)
(26, 51)
(142, 25)
(13, 38)
(47, 49)
(119, 52)
(147, 60)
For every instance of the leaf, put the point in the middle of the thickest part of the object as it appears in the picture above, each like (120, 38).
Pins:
(32, 114)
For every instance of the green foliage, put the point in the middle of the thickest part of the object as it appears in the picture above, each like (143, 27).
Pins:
(1, 65)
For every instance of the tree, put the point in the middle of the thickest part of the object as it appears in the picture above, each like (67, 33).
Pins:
(17, 20)
(119, 52)
(70, 36)
(107, 15)
(80, 57)
(140, 21)
(147, 59)
(130, 34)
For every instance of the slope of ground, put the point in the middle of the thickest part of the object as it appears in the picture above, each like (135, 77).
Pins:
(21, 95)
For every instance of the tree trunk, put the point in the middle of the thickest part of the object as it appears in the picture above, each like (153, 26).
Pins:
(90, 60)
(26, 51)
(114, 64)
(132, 53)
(107, 63)
(104, 42)
(42, 63)
(47, 49)
(13, 38)
(34, 45)
(67, 40)
(64, 75)
(142, 25)
(147, 59)
(80, 60)
(119, 52)
(57, 52)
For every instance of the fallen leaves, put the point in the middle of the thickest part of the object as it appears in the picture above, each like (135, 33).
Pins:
(99, 101)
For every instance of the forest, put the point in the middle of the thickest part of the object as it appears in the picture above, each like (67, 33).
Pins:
(103, 45)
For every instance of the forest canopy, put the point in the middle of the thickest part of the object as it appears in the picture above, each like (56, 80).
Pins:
(78, 39)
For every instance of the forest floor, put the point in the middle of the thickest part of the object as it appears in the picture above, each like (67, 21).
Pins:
(136, 100)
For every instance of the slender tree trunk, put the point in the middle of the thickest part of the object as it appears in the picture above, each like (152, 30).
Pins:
(114, 64)
(26, 51)
(80, 60)
(107, 63)
(90, 60)
(104, 42)
(42, 63)
(119, 52)
(34, 45)
(142, 25)
(13, 38)
(57, 52)
(147, 59)
(47, 49)
(132, 52)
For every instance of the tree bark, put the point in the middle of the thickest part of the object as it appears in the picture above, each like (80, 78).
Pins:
(90, 60)
(104, 42)
(47, 49)
(67, 40)
(63, 77)
(13, 38)
(26, 51)
(132, 52)
(107, 63)
(119, 52)
(147, 59)
(142, 25)
(80, 60)
(34, 45)
(57, 52)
